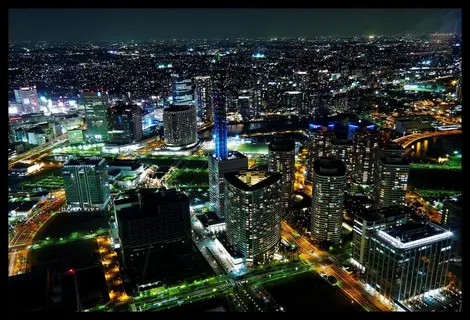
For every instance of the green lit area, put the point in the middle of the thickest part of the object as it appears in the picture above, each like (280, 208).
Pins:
(188, 178)
(438, 192)
(75, 236)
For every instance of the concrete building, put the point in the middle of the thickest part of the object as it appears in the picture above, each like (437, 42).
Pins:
(96, 106)
(366, 146)
(406, 125)
(328, 200)
(408, 260)
(368, 222)
(124, 124)
(86, 183)
(217, 168)
(281, 158)
(182, 90)
(253, 213)
(202, 98)
(392, 180)
(180, 126)
(343, 150)
(29, 100)
(320, 145)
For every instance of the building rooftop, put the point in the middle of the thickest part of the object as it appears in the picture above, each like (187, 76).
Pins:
(414, 234)
(132, 164)
(384, 213)
(231, 155)
(251, 180)
(176, 108)
(83, 162)
(209, 219)
(394, 160)
(234, 253)
(281, 144)
(329, 167)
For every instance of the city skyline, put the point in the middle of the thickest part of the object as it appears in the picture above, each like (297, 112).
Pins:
(146, 24)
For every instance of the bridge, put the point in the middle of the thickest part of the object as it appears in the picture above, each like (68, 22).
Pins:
(412, 138)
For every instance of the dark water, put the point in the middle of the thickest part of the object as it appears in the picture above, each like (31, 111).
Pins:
(432, 148)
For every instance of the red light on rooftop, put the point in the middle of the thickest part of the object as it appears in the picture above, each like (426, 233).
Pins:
(71, 271)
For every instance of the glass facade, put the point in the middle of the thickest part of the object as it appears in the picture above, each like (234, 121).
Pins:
(202, 98)
(124, 124)
(180, 128)
(281, 158)
(366, 146)
(321, 143)
(182, 90)
(96, 106)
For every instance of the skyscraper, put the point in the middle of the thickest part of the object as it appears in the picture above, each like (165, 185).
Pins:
(366, 146)
(124, 124)
(182, 90)
(408, 260)
(392, 180)
(202, 98)
(217, 168)
(219, 103)
(86, 183)
(320, 145)
(329, 182)
(179, 126)
(96, 106)
(368, 222)
(281, 158)
(29, 99)
(253, 210)
(343, 150)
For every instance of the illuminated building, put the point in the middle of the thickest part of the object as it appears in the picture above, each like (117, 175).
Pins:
(29, 99)
(245, 105)
(86, 183)
(451, 219)
(329, 182)
(281, 158)
(408, 260)
(256, 102)
(320, 145)
(219, 103)
(458, 91)
(253, 206)
(75, 136)
(392, 180)
(217, 168)
(202, 98)
(124, 124)
(292, 102)
(272, 97)
(408, 124)
(180, 128)
(366, 146)
(182, 90)
(96, 106)
(367, 222)
(152, 223)
(342, 150)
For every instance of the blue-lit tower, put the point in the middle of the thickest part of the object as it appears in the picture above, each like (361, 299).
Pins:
(219, 103)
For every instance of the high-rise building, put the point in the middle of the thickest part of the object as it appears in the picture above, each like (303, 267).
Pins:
(217, 168)
(392, 180)
(366, 146)
(86, 183)
(179, 126)
(182, 90)
(245, 105)
(124, 124)
(281, 158)
(96, 106)
(368, 222)
(152, 223)
(342, 150)
(202, 98)
(29, 99)
(320, 145)
(255, 110)
(292, 102)
(408, 260)
(253, 213)
(329, 182)
(219, 105)
(451, 220)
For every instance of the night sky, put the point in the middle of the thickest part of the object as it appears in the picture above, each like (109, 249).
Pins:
(163, 24)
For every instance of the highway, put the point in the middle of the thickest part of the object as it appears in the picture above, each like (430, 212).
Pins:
(351, 287)
(20, 244)
(407, 140)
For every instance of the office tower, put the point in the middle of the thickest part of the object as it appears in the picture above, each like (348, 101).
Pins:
(217, 168)
(392, 180)
(320, 145)
(245, 105)
(253, 213)
(342, 150)
(408, 260)
(202, 98)
(451, 220)
(124, 124)
(329, 182)
(86, 183)
(29, 100)
(366, 146)
(367, 222)
(272, 97)
(152, 224)
(255, 110)
(292, 102)
(179, 126)
(219, 104)
(281, 158)
(96, 105)
(182, 89)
